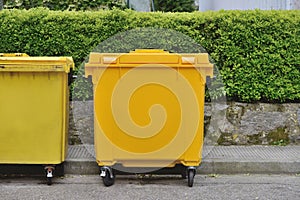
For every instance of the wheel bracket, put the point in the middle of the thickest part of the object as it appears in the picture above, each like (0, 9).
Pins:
(104, 169)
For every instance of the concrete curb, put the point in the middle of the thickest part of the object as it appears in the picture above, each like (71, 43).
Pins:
(249, 167)
(216, 160)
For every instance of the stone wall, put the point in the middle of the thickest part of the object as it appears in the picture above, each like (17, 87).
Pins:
(230, 123)
(236, 123)
(81, 126)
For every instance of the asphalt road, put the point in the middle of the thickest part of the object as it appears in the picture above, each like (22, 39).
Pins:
(156, 187)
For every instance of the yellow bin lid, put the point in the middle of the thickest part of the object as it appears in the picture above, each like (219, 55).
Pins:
(21, 62)
(149, 56)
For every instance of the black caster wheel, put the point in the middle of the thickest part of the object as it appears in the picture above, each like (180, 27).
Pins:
(191, 174)
(49, 174)
(108, 177)
(49, 181)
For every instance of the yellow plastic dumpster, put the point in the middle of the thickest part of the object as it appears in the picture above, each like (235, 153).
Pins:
(149, 109)
(34, 110)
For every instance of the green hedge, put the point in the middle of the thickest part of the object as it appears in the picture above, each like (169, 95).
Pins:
(257, 52)
(65, 5)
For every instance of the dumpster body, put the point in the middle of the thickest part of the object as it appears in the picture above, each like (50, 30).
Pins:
(149, 109)
(34, 109)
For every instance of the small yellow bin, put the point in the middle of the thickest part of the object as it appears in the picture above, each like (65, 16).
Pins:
(34, 109)
(149, 109)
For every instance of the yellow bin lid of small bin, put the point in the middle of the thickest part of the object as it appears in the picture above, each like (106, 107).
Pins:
(21, 62)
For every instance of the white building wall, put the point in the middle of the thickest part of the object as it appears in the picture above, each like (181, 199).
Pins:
(246, 4)
(140, 5)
